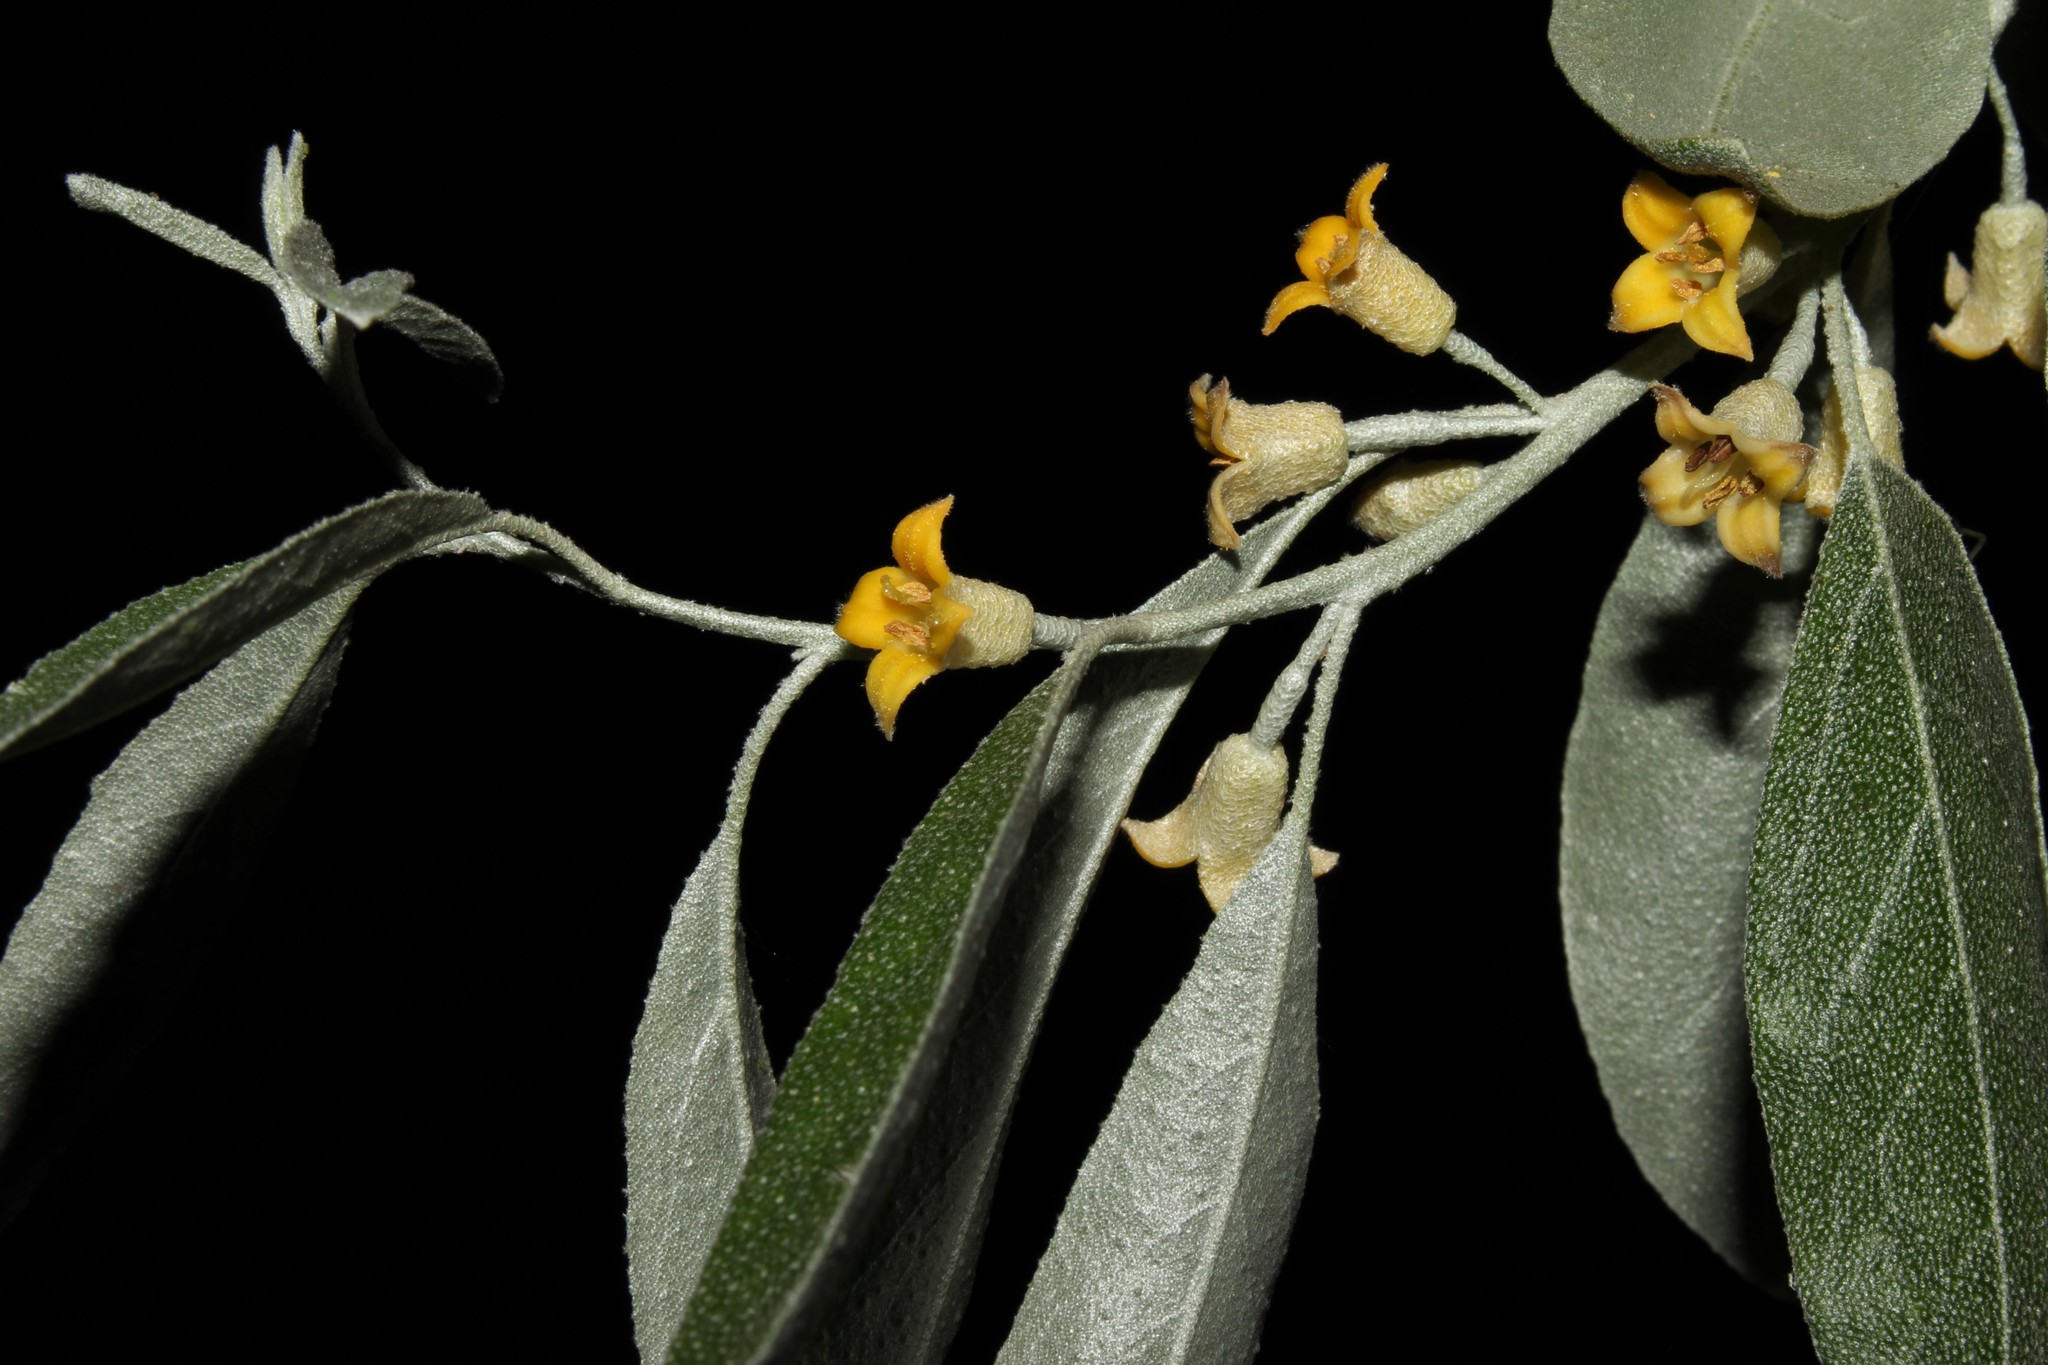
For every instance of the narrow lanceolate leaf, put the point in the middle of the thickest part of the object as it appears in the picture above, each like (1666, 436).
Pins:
(1168, 1243)
(165, 638)
(152, 214)
(150, 866)
(700, 1082)
(309, 261)
(1897, 960)
(1662, 781)
(1825, 109)
(917, 1267)
(855, 1082)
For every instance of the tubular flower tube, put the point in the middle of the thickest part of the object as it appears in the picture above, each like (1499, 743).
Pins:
(920, 617)
(1831, 459)
(1266, 452)
(1736, 466)
(1348, 265)
(1999, 300)
(1697, 254)
(1227, 820)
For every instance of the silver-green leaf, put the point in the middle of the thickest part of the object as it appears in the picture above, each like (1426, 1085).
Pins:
(447, 338)
(1662, 780)
(908, 1295)
(701, 1082)
(168, 821)
(855, 1083)
(1824, 109)
(1897, 956)
(309, 261)
(1168, 1243)
(164, 638)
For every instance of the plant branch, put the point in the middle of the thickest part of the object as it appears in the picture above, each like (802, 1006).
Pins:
(1466, 351)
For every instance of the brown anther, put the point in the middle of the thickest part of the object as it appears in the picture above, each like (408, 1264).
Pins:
(1716, 495)
(1713, 266)
(911, 635)
(1225, 460)
(910, 591)
(1750, 484)
(1715, 448)
(1694, 231)
(1686, 289)
(1675, 256)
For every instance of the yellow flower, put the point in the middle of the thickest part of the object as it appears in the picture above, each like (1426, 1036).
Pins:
(1227, 820)
(1999, 301)
(1735, 466)
(1692, 271)
(1267, 451)
(920, 617)
(1348, 265)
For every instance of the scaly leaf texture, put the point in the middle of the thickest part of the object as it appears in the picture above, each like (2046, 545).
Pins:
(701, 1081)
(163, 639)
(916, 1272)
(165, 838)
(1662, 780)
(1897, 957)
(861, 1072)
(1824, 109)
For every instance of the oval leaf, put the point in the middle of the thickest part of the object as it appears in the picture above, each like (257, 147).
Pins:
(1897, 960)
(165, 638)
(701, 1081)
(167, 832)
(1168, 1243)
(912, 1286)
(309, 262)
(1824, 109)
(1662, 781)
(856, 1080)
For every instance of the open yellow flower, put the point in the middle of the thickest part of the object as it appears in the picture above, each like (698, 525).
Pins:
(920, 617)
(1691, 271)
(1349, 266)
(1736, 466)
(1998, 301)
(1267, 451)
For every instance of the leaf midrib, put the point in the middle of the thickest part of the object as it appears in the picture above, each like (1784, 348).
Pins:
(1940, 822)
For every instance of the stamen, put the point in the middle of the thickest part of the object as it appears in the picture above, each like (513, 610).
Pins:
(1750, 485)
(1675, 256)
(911, 635)
(1694, 231)
(1686, 289)
(1715, 449)
(1718, 494)
(911, 592)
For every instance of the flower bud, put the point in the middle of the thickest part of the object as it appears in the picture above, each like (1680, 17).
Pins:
(1413, 494)
(1999, 300)
(1831, 459)
(1268, 451)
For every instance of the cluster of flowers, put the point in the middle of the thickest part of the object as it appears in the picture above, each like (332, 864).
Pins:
(1737, 464)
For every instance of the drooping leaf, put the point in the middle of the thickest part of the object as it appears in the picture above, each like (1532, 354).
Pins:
(917, 1268)
(446, 337)
(857, 1079)
(1662, 780)
(309, 262)
(165, 638)
(1170, 1238)
(1897, 958)
(1825, 109)
(150, 865)
(701, 1081)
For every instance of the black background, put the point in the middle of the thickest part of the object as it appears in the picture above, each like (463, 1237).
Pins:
(744, 333)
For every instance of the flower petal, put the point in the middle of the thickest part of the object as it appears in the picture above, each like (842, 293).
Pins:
(1168, 841)
(1358, 204)
(894, 672)
(1291, 300)
(1780, 464)
(1715, 322)
(1655, 213)
(1749, 531)
(865, 618)
(916, 542)
(1727, 216)
(1673, 494)
(1643, 299)
(1325, 241)
(1679, 422)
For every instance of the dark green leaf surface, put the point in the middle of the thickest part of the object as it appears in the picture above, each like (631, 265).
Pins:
(168, 830)
(856, 1080)
(1662, 781)
(1168, 1243)
(907, 1297)
(1897, 961)
(165, 638)
(1824, 108)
